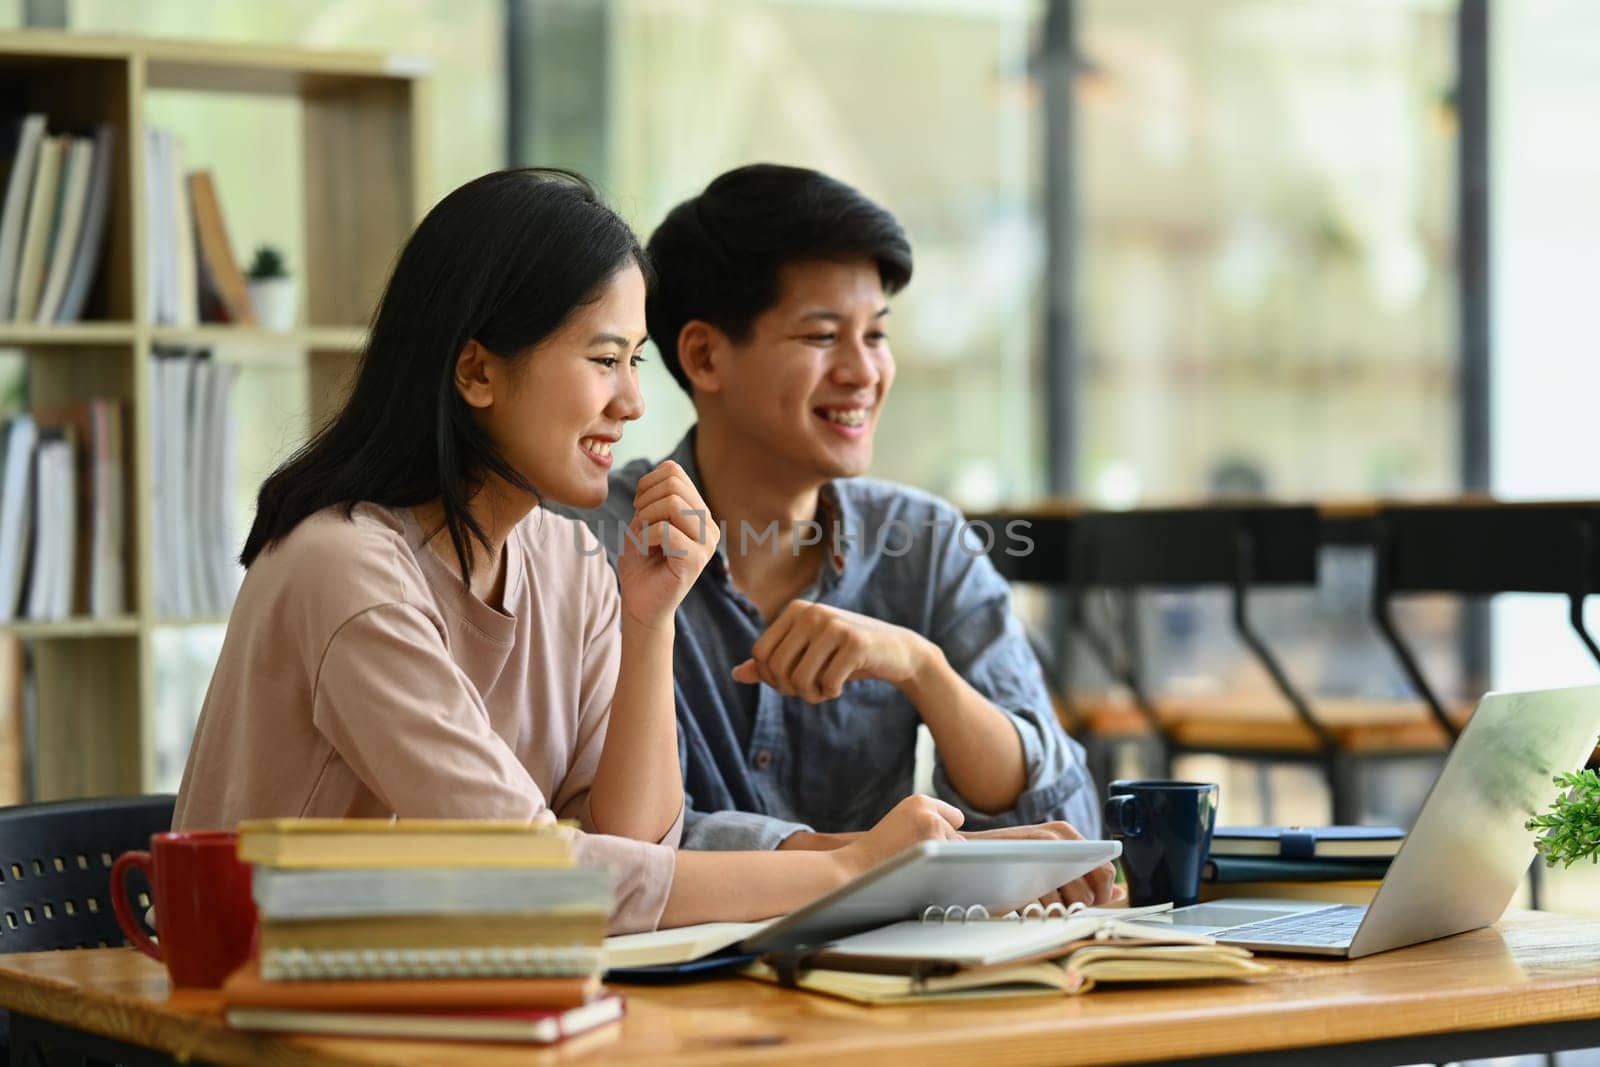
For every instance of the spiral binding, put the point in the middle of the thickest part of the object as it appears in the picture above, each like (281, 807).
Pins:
(956, 915)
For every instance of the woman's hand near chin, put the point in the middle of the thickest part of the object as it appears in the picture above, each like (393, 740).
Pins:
(665, 547)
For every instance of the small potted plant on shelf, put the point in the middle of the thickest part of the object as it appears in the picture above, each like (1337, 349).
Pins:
(1572, 825)
(274, 293)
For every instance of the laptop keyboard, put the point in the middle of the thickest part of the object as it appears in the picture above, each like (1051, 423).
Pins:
(1331, 926)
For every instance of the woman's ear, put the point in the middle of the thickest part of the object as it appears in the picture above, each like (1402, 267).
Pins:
(702, 351)
(475, 374)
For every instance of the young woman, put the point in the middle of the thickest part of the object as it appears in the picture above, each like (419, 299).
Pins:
(417, 636)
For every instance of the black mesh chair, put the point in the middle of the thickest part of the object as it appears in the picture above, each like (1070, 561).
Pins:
(55, 869)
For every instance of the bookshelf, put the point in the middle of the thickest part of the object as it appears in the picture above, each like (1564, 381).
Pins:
(365, 176)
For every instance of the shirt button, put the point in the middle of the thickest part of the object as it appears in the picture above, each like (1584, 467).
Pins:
(763, 760)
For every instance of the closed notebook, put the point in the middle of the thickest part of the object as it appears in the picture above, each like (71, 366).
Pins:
(402, 843)
(247, 988)
(1077, 970)
(534, 1027)
(1308, 842)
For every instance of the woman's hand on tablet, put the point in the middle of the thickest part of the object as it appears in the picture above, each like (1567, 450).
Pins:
(916, 818)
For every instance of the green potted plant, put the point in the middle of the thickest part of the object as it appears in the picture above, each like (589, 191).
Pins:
(1572, 825)
(274, 293)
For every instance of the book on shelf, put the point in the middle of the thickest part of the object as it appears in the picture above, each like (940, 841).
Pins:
(170, 254)
(43, 202)
(193, 468)
(50, 559)
(90, 574)
(23, 138)
(14, 745)
(223, 295)
(539, 1027)
(16, 511)
(366, 892)
(73, 205)
(92, 237)
(1236, 869)
(246, 988)
(1307, 842)
(356, 843)
(108, 539)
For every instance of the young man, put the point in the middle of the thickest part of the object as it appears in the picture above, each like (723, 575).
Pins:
(839, 613)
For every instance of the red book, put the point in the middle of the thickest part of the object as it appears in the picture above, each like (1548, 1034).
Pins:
(544, 1027)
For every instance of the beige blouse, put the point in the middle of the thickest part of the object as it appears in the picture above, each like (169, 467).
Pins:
(359, 678)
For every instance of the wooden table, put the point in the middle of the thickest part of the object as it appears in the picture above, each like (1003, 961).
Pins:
(1531, 983)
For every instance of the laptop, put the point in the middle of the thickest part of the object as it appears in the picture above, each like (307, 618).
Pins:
(1465, 855)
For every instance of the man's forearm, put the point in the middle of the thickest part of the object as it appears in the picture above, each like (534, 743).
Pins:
(977, 741)
(637, 790)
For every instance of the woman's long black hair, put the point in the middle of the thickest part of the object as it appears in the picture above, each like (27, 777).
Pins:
(503, 260)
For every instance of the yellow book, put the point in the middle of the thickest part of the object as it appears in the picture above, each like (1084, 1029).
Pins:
(438, 931)
(1076, 972)
(402, 843)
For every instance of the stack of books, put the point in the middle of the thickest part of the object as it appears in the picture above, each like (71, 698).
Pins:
(422, 928)
(55, 196)
(1344, 864)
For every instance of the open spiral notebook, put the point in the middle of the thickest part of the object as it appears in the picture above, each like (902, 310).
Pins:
(962, 936)
(965, 952)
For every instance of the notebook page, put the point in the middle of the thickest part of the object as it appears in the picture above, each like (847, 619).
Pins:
(972, 944)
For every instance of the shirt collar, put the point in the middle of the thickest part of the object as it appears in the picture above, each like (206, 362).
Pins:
(833, 511)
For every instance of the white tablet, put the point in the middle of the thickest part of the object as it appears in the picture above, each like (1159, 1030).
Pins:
(999, 875)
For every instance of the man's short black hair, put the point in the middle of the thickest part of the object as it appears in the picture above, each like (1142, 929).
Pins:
(717, 255)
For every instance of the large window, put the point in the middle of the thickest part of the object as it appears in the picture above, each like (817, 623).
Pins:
(929, 108)
(1267, 196)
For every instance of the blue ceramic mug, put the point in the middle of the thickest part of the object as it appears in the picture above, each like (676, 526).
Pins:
(1165, 829)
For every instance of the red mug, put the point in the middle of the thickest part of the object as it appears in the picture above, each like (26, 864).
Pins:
(205, 915)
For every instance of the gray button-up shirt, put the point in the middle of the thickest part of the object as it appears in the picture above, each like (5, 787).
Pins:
(759, 766)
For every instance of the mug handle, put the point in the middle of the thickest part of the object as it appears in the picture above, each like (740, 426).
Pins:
(1122, 815)
(131, 927)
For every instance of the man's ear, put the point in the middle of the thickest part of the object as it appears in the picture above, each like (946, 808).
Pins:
(703, 352)
(475, 373)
